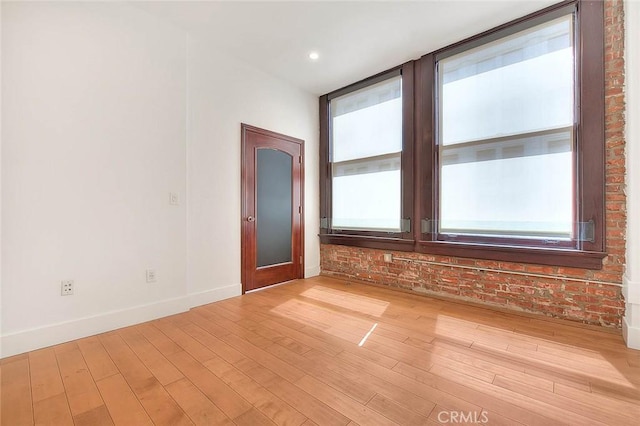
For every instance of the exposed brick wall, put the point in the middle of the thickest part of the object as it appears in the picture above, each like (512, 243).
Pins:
(588, 296)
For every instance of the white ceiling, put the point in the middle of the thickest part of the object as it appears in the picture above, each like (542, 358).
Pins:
(354, 39)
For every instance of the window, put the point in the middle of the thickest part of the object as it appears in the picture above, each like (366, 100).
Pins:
(367, 161)
(506, 137)
(501, 155)
(366, 147)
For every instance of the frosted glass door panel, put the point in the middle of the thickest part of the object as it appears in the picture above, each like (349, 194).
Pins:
(274, 206)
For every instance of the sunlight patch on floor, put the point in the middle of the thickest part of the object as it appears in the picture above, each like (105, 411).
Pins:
(361, 304)
(565, 362)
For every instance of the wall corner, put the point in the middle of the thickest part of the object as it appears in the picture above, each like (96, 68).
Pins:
(631, 287)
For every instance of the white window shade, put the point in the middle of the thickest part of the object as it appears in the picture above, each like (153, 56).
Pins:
(366, 193)
(520, 84)
(514, 187)
(367, 122)
(506, 137)
(366, 146)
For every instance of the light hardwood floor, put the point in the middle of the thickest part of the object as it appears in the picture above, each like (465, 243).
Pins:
(328, 352)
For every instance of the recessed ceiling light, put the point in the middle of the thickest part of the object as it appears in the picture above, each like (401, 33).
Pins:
(314, 56)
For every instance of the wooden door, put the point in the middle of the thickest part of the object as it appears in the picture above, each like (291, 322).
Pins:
(272, 210)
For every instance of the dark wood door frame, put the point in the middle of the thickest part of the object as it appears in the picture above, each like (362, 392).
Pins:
(270, 140)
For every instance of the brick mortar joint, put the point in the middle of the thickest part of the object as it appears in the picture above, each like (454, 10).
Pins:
(369, 264)
(575, 312)
(504, 271)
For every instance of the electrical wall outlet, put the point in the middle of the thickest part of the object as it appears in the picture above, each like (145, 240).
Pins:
(66, 288)
(151, 275)
(173, 198)
(388, 257)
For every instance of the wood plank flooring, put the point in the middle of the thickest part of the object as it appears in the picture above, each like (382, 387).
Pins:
(328, 352)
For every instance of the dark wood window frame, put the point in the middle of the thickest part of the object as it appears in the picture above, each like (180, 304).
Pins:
(402, 240)
(419, 188)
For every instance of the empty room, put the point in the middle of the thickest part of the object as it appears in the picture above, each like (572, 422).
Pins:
(320, 212)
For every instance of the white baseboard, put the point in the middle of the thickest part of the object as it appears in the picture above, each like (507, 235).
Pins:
(41, 337)
(630, 334)
(630, 325)
(313, 271)
(631, 290)
(36, 338)
(210, 296)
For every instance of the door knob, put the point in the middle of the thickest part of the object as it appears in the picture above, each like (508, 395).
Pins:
(251, 219)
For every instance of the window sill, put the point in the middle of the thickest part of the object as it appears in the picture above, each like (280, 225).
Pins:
(539, 256)
(382, 243)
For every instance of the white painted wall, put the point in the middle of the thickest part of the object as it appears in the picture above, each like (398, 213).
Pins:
(106, 110)
(631, 287)
(223, 93)
(94, 139)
